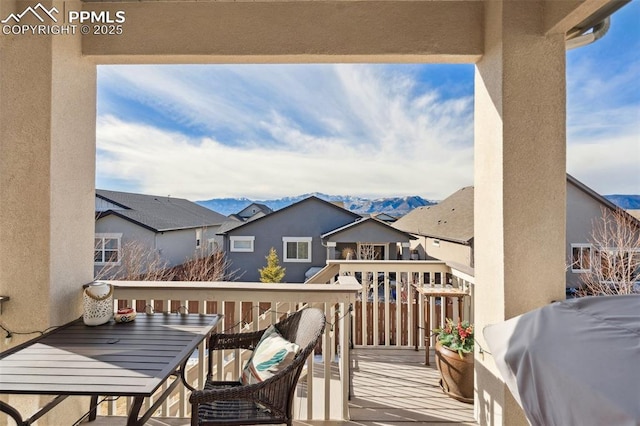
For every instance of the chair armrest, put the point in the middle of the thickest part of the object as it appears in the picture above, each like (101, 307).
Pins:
(236, 390)
(226, 391)
(235, 340)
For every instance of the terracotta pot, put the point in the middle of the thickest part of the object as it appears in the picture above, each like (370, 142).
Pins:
(456, 373)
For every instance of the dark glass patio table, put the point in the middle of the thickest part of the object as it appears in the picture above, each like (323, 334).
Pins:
(130, 359)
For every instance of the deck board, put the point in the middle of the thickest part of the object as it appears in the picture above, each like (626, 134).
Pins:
(391, 387)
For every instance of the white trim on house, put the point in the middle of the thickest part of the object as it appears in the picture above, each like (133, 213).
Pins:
(577, 264)
(305, 240)
(198, 238)
(100, 255)
(242, 243)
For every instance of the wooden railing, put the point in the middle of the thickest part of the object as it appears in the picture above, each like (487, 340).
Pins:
(323, 391)
(382, 312)
(387, 312)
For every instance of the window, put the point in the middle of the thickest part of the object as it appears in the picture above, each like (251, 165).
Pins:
(580, 258)
(244, 244)
(297, 249)
(107, 249)
(213, 245)
(198, 238)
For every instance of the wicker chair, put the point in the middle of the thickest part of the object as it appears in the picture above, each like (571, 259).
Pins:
(267, 402)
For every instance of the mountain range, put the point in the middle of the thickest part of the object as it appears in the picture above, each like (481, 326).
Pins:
(627, 202)
(394, 206)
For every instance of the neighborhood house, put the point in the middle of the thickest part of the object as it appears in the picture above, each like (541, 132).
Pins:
(174, 228)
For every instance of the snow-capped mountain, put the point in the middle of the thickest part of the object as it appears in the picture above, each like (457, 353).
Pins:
(394, 206)
(629, 202)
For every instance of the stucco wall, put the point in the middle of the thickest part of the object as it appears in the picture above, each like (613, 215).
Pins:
(449, 251)
(519, 162)
(47, 175)
(445, 250)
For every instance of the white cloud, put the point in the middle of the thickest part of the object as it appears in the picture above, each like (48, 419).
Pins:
(265, 131)
(341, 129)
(165, 163)
(603, 122)
(608, 167)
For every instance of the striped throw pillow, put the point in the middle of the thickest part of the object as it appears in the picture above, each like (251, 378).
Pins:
(272, 353)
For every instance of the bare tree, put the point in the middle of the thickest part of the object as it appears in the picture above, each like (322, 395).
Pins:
(206, 267)
(137, 262)
(366, 251)
(614, 257)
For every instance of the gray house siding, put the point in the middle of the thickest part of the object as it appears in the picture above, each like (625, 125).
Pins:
(174, 247)
(130, 232)
(179, 246)
(308, 218)
(583, 211)
(429, 248)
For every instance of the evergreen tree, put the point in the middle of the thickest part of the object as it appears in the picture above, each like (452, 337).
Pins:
(273, 272)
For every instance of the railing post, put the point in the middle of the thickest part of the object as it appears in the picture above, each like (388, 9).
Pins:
(326, 356)
(345, 361)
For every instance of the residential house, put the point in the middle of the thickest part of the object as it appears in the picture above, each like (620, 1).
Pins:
(367, 238)
(584, 208)
(306, 234)
(443, 231)
(251, 212)
(519, 53)
(446, 231)
(385, 217)
(175, 228)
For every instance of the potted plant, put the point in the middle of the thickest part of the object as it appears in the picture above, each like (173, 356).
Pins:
(454, 359)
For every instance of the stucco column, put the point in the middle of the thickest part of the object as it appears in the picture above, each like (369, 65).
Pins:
(519, 183)
(47, 175)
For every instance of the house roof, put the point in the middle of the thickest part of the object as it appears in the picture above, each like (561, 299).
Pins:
(158, 213)
(385, 217)
(262, 207)
(230, 224)
(362, 221)
(285, 209)
(451, 219)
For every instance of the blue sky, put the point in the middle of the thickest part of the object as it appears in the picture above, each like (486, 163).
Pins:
(267, 131)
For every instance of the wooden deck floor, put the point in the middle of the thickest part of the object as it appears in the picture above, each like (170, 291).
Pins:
(391, 387)
(394, 387)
